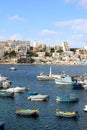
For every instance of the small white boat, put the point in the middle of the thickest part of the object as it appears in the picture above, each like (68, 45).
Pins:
(3, 78)
(47, 77)
(13, 68)
(85, 86)
(44, 77)
(85, 108)
(16, 89)
(38, 97)
(5, 84)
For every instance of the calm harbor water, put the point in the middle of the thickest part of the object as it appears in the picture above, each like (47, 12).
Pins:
(26, 76)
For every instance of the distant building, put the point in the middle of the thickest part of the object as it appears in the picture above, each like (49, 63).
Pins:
(37, 46)
(2, 51)
(65, 46)
(85, 47)
(41, 54)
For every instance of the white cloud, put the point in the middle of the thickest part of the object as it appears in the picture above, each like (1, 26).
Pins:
(12, 37)
(3, 37)
(2, 31)
(16, 37)
(77, 37)
(75, 30)
(70, 22)
(16, 18)
(81, 3)
(51, 42)
(48, 32)
(68, 1)
(76, 25)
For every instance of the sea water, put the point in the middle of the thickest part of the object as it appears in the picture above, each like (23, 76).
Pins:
(25, 76)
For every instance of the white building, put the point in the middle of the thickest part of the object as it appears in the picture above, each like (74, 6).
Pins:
(2, 50)
(65, 46)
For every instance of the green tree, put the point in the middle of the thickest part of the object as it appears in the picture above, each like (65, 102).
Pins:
(31, 53)
(12, 54)
(48, 54)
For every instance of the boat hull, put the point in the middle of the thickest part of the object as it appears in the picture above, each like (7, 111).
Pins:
(27, 112)
(66, 114)
(44, 78)
(67, 98)
(16, 89)
(77, 85)
(7, 94)
(64, 80)
(60, 83)
(33, 93)
(85, 108)
(38, 98)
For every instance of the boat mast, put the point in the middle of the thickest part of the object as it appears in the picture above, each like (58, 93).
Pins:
(50, 74)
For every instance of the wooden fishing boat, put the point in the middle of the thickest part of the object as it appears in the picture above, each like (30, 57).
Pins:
(67, 98)
(66, 114)
(27, 112)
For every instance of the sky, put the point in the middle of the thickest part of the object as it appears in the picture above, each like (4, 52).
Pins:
(49, 22)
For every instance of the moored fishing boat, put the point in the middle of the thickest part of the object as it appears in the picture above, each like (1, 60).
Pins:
(44, 77)
(38, 97)
(5, 84)
(67, 98)
(27, 112)
(6, 94)
(3, 78)
(77, 85)
(16, 89)
(85, 108)
(33, 93)
(13, 68)
(64, 79)
(85, 86)
(47, 77)
(66, 114)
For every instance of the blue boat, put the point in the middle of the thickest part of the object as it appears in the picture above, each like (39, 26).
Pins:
(66, 114)
(77, 85)
(33, 93)
(67, 98)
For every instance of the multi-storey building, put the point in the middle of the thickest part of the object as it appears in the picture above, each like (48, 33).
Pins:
(65, 46)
